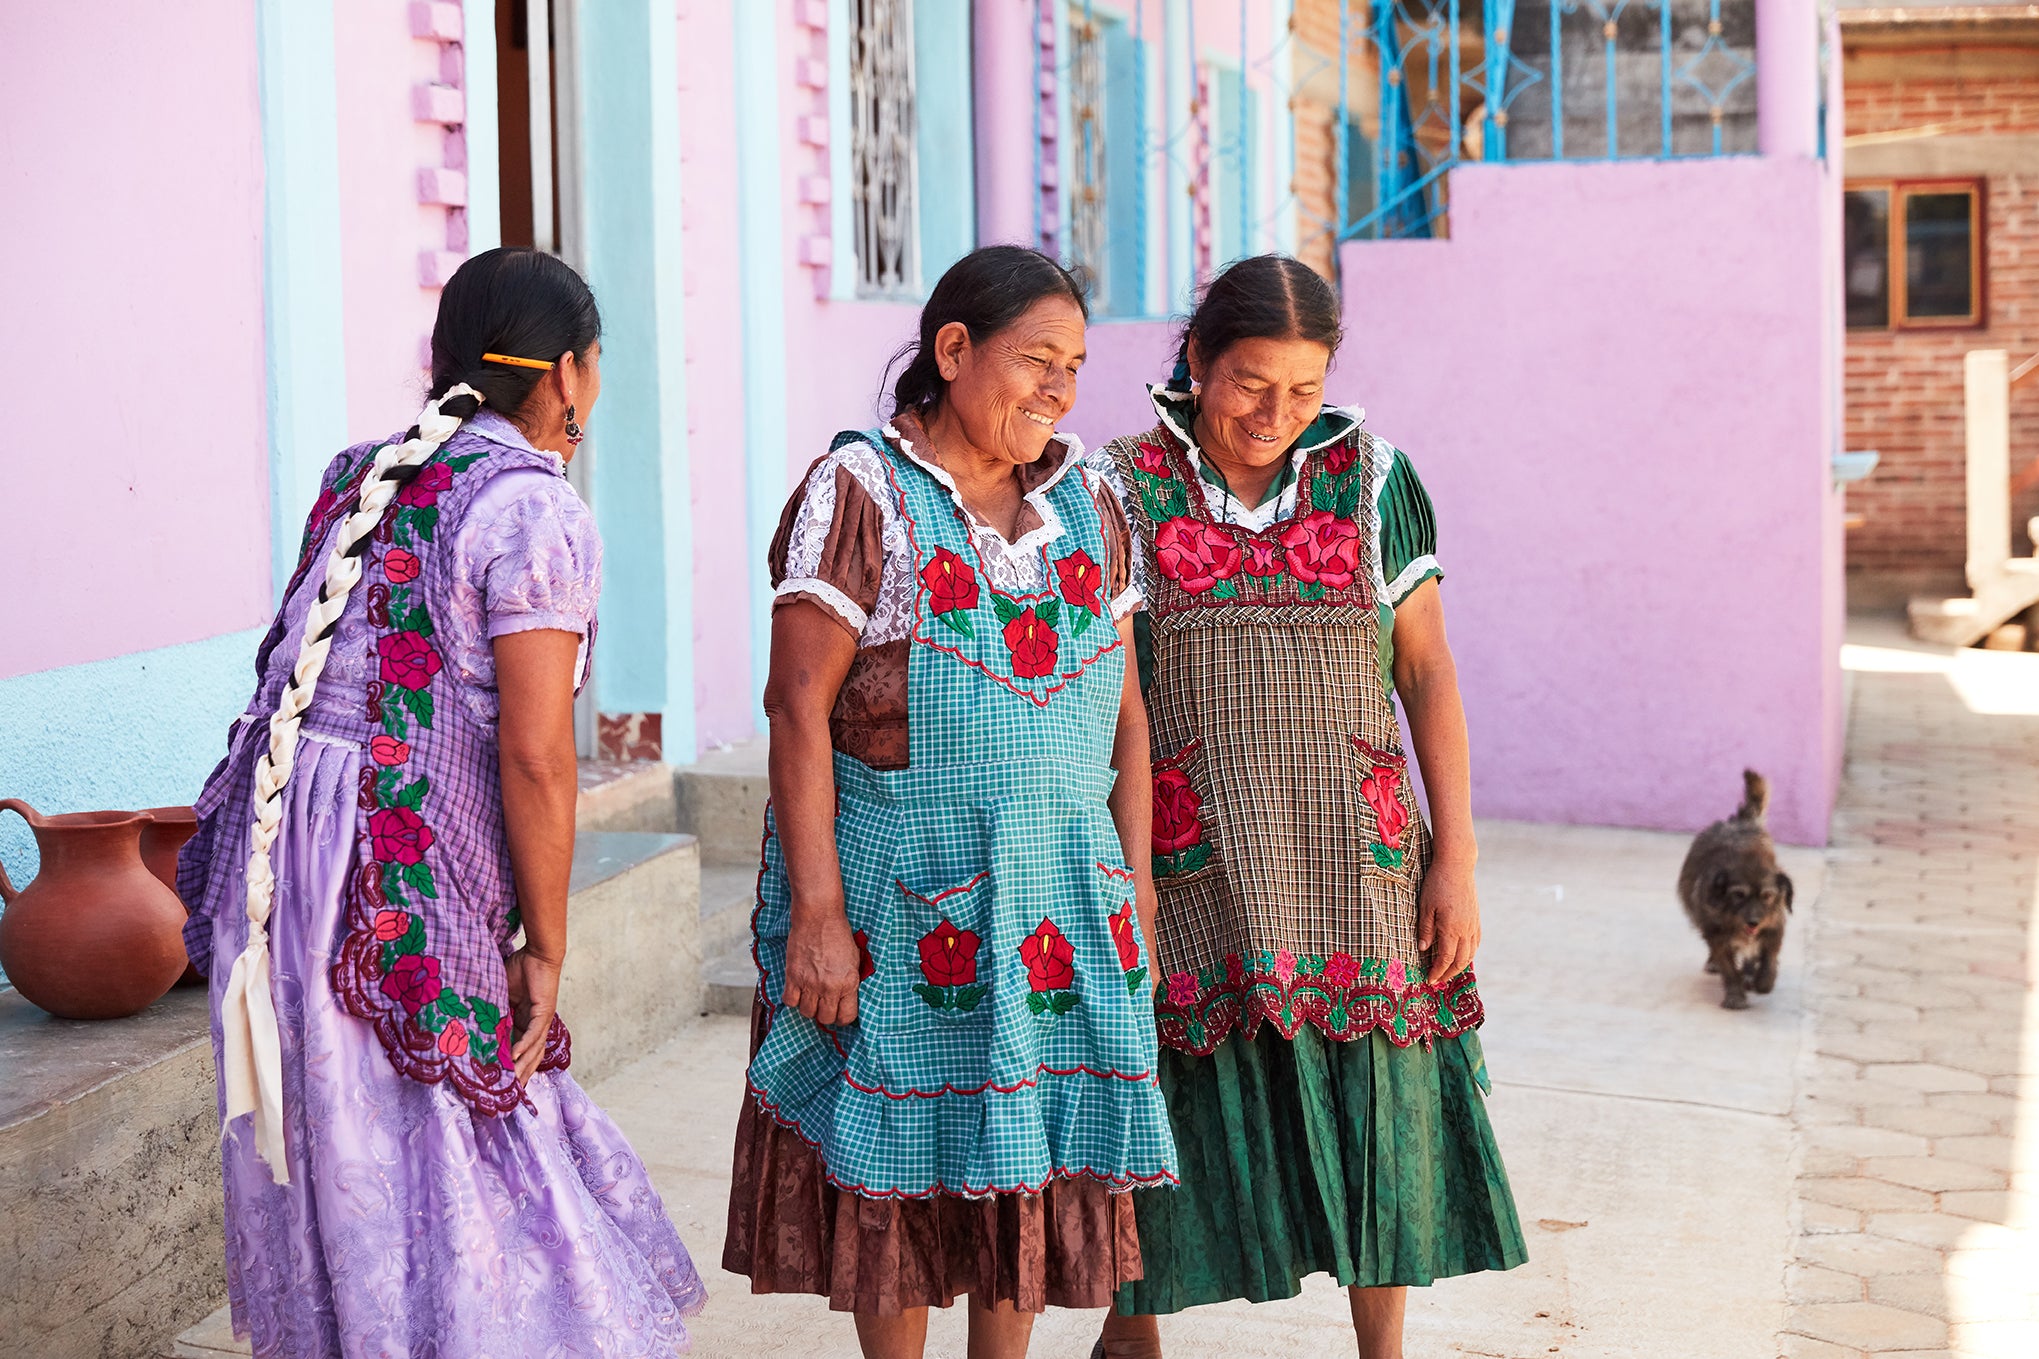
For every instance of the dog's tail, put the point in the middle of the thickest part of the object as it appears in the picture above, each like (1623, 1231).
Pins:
(1755, 798)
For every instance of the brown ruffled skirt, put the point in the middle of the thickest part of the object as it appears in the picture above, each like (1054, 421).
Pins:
(791, 1231)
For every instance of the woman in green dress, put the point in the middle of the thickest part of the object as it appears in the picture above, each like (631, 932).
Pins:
(1317, 1007)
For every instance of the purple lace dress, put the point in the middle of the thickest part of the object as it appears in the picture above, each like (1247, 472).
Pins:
(415, 1223)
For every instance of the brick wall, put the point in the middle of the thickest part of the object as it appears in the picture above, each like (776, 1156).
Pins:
(1904, 388)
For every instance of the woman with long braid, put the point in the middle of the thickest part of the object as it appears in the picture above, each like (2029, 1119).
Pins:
(409, 1169)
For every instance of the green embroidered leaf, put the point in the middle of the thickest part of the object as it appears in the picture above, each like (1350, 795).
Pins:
(1324, 490)
(1134, 980)
(427, 521)
(1162, 498)
(958, 620)
(937, 996)
(453, 1006)
(464, 461)
(401, 534)
(1007, 610)
(1312, 591)
(1037, 1001)
(433, 1018)
(418, 621)
(1063, 1002)
(388, 958)
(486, 1013)
(413, 940)
(1227, 588)
(1049, 611)
(1079, 622)
(483, 1050)
(412, 795)
(966, 997)
(1191, 859)
(392, 884)
(421, 704)
(419, 877)
(393, 720)
(385, 786)
(1339, 1015)
(514, 921)
(1164, 865)
(1390, 859)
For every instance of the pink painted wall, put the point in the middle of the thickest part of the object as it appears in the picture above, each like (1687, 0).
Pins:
(1111, 392)
(1613, 380)
(133, 282)
(714, 357)
(387, 314)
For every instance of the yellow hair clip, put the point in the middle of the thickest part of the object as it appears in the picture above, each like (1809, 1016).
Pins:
(516, 362)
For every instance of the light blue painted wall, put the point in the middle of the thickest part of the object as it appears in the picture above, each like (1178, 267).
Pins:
(945, 132)
(1125, 174)
(630, 129)
(141, 730)
(484, 152)
(761, 222)
(307, 368)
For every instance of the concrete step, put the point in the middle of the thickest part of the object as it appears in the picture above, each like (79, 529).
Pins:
(1966, 621)
(633, 960)
(730, 982)
(720, 798)
(728, 896)
(633, 795)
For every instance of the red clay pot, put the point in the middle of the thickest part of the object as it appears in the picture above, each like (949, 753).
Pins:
(96, 935)
(168, 829)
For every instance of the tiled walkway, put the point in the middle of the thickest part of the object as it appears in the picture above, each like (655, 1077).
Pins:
(1918, 1172)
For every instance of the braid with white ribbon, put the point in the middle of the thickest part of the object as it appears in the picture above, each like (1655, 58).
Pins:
(252, 1060)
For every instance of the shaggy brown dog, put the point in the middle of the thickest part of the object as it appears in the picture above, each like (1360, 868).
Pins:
(1737, 897)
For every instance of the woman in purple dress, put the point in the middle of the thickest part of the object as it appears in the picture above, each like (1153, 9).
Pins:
(409, 1169)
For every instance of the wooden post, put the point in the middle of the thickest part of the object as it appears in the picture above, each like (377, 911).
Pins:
(1988, 378)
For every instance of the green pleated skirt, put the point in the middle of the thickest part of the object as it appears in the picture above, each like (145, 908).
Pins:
(1368, 1162)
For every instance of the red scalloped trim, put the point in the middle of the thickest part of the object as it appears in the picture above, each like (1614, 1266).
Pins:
(1260, 998)
(1139, 1078)
(1123, 873)
(945, 893)
(1110, 1182)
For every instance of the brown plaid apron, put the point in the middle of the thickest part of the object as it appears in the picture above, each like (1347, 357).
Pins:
(1288, 848)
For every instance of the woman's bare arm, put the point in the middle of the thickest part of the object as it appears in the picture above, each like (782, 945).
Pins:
(1132, 796)
(1448, 918)
(541, 781)
(811, 656)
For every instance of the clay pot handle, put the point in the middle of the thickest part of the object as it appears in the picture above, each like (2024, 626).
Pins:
(8, 891)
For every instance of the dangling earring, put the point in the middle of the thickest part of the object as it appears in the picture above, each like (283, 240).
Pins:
(574, 433)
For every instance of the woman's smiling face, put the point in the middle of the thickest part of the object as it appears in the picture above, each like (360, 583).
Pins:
(1007, 393)
(1258, 396)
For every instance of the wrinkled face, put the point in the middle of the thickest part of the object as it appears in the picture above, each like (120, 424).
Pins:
(1008, 392)
(589, 371)
(1257, 398)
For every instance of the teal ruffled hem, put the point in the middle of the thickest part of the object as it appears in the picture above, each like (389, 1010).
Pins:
(1368, 1162)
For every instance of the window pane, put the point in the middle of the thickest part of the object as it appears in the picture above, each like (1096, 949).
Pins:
(1939, 236)
(1866, 256)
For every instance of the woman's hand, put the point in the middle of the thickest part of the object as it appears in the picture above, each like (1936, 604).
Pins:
(1448, 920)
(534, 997)
(822, 964)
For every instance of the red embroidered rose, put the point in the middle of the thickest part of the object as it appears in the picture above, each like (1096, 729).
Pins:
(399, 835)
(1033, 644)
(1194, 555)
(453, 1042)
(1176, 812)
(504, 1033)
(1151, 459)
(1050, 959)
(387, 750)
(1263, 557)
(423, 489)
(865, 967)
(1182, 988)
(1323, 549)
(1235, 969)
(1338, 458)
(391, 926)
(951, 584)
(407, 659)
(1389, 813)
(400, 566)
(1079, 579)
(1285, 967)
(413, 983)
(1341, 970)
(948, 956)
(1122, 935)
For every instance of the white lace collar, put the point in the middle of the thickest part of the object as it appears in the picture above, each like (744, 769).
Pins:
(1047, 531)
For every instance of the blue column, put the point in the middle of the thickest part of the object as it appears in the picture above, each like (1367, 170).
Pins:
(306, 342)
(484, 152)
(630, 151)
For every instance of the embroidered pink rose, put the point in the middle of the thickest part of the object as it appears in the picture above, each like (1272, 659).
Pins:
(414, 982)
(1389, 813)
(391, 926)
(1033, 645)
(1338, 459)
(1177, 809)
(1285, 968)
(423, 489)
(1151, 459)
(1398, 975)
(1263, 557)
(504, 1033)
(400, 566)
(453, 1042)
(1182, 988)
(1322, 549)
(398, 835)
(407, 659)
(1195, 555)
(1341, 970)
(387, 750)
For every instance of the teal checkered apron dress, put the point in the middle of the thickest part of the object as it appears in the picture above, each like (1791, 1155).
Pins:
(1005, 1030)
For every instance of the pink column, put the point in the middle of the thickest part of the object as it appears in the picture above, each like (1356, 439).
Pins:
(1002, 68)
(1788, 77)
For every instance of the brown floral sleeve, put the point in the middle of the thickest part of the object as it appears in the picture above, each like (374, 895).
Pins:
(1118, 550)
(829, 547)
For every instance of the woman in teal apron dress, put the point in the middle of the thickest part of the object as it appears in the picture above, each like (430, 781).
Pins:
(953, 1084)
(1318, 1013)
